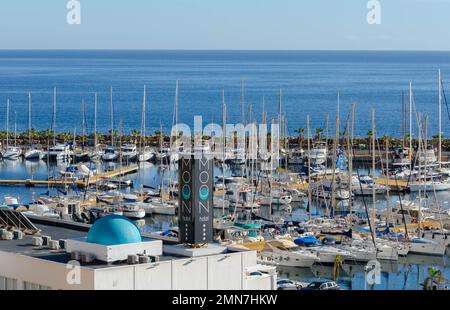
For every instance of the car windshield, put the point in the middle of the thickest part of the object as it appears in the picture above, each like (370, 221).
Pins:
(315, 285)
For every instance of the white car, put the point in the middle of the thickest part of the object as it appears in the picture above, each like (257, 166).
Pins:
(286, 284)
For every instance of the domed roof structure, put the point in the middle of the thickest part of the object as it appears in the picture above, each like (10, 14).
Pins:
(114, 230)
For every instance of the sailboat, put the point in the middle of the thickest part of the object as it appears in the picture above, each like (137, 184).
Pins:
(12, 152)
(32, 153)
(110, 153)
(59, 151)
(145, 154)
(95, 153)
(420, 245)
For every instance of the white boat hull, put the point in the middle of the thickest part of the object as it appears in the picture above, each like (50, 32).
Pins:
(289, 259)
(429, 187)
(34, 155)
(434, 248)
(139, 214)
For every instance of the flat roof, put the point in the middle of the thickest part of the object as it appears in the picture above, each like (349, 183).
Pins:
(25, 247)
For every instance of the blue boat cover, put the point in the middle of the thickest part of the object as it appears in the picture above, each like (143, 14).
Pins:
(306, 240)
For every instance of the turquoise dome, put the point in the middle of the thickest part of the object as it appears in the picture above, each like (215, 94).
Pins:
(114, 230)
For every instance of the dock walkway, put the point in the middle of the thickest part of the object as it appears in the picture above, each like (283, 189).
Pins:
(80, 183)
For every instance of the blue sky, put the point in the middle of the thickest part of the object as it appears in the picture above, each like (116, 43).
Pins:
(225, 24)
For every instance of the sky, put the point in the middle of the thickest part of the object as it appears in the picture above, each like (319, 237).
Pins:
(226, 24)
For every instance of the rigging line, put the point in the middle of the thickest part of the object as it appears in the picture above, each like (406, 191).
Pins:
(445, 99)
(401, 205)
(346, 123)
(364, 200)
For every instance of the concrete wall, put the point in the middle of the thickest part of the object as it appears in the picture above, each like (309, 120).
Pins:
(43, 272)
(225, 272)
(219, 272)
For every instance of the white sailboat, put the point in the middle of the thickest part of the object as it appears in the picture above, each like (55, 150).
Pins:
(145, 153)
(32, 153)
(318, 154)
(285, 253)
(365, 185)
(11, 152)
(110, 153)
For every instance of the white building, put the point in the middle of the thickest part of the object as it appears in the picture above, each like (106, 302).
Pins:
(27, 266)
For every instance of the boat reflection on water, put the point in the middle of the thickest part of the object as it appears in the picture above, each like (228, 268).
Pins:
(408, 273)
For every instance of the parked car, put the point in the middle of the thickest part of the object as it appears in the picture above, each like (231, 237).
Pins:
(286, 284)
(323, 285)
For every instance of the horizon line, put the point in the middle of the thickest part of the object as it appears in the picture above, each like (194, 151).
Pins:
(219, 50)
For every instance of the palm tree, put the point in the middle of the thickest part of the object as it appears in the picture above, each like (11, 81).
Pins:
(300, 132)
(434, 277)
(135, 135)
(319, 132)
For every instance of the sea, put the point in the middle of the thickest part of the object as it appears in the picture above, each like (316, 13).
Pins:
(309, 82)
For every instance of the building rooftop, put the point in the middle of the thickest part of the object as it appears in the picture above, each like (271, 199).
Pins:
(25, 246)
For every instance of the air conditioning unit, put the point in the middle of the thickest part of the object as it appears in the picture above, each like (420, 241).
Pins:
(46, 240)
(62, 243)
(144, 259)
(86, 258)
(75, 255)
(154, 259)
(36, 241)
(54, 245)
(18, 234)
(7, 235)
(132, 259)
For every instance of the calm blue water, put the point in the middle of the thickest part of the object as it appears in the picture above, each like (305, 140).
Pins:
(310, 82)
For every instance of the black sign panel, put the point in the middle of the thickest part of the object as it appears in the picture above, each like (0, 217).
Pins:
(196, 177)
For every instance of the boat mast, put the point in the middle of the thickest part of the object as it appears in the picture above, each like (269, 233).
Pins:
(373, 173)
(333, 179)
(440, 120)
(142, 139)
(410, 125)
(29, 119)
(280, 98)
(243, 167)
(242, 103)
(54, 116)
(120, 138)
(338, 111)
(83, 130)
(7, 123)
(350, 172)
(419, 155)
(224, 131)
(309, 166)
(111, 110)
(403, 120)
(15, 129)
(175, 115)
(176, 106)
(350, 162)
(388, 206)
(95, 121)
(327, 133)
